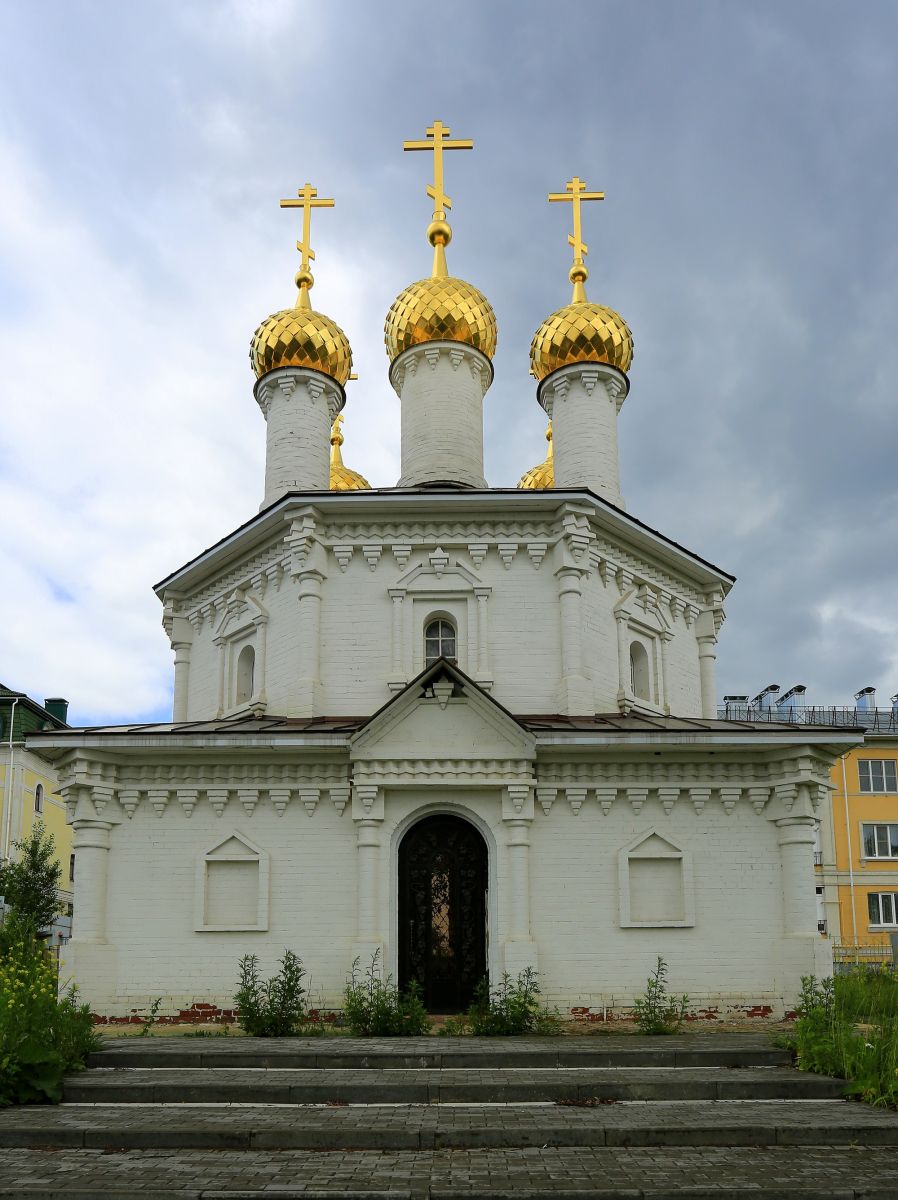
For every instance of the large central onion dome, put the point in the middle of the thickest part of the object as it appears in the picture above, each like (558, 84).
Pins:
(440, 309)
(301, 337)
(581, 332)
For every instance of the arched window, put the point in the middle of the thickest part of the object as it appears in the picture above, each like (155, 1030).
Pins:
(640, 678)
(39, 798)
(439, 641)
(246, 665)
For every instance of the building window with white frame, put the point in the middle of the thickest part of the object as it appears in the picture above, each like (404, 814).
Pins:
(880, 841)
(882, 908)
(440, 641)
(39, 798)
(877, 775)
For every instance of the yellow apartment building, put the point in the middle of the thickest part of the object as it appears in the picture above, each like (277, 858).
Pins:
(858, 856)
(28, 790)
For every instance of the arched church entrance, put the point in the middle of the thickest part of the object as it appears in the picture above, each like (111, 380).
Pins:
(442, 911)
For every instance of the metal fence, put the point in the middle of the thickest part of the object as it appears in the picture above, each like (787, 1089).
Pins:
(872, 720)
(847, 958)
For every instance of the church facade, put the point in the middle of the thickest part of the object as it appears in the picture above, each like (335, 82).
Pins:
(467, 730)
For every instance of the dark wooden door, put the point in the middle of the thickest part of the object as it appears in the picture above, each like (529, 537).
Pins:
(442, 911)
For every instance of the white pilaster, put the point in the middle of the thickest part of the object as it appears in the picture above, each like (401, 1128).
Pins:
(575, 693)
(90, 842)
(367, 805)
(583, 401)
(441, 386)
(707, 662)
(520, 949)
(308, 682)
(182, 680)
(797, 840)
(483, 634)
(299, 407)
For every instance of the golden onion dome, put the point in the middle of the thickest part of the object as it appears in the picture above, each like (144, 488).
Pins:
(542, 476)
(342, 478)
(301, 337)
(441, 308)
(581, 332)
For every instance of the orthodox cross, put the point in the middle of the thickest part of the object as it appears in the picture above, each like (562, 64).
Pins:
(437, 139)
(308, 199)
(575, 192)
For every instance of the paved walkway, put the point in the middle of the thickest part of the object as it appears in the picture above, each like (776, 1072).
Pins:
(816, 1173)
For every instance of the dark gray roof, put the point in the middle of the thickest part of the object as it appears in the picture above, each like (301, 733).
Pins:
(634, 723)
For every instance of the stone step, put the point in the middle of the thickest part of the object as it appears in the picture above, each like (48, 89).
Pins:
(137, 1085)
(577, 1173)
(687, 1050)
(413, 1127)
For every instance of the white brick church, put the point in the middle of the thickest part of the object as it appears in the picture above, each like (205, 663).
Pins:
(472, 728)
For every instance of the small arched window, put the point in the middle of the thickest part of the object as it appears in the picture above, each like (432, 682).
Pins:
(39, 798)
(439, 641)
(640, 678)
(246, 665)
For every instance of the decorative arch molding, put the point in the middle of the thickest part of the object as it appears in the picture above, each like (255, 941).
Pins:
(232, 887)
(440, 586)
(243, 626)
(656, 885)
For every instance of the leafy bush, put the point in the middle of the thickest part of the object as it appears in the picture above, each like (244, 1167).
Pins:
(273, 1007)
(42, 1037)
(848, 1026)
(511, 1008)
(656, 1011)
(374, 1007)
(30, 884)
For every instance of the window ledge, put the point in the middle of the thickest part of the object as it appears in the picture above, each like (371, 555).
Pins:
(638, 705)
(685, 924)
(254, 708)
(231, 929)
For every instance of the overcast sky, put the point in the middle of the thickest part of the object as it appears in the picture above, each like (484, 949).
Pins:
(749, 237)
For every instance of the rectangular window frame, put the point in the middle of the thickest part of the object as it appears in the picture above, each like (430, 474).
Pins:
(877, 776)
(879, 840)
(880, 904)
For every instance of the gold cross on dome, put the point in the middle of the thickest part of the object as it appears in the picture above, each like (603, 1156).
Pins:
(437, 139)
(308, 199)
(575, 192)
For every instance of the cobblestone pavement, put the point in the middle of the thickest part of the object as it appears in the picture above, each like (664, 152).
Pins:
(415, 1127)
(814, 1173)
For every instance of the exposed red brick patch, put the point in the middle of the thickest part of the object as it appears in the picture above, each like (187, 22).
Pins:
(198, 1014)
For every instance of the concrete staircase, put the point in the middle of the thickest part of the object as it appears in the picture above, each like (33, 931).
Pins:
(601, 1116)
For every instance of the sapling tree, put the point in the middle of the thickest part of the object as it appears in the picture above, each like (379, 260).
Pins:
(30, 883)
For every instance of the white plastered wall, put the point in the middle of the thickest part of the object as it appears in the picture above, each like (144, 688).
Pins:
(523, 635)
(735, 952)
